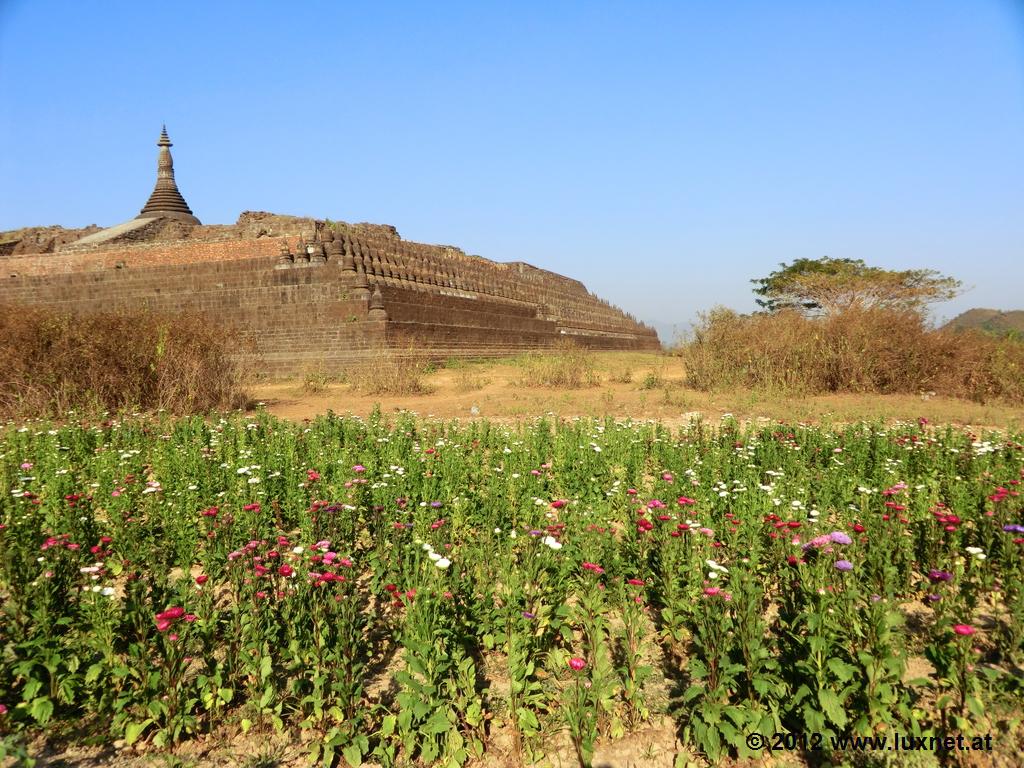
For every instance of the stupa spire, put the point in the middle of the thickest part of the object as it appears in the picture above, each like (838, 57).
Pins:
(166, 200)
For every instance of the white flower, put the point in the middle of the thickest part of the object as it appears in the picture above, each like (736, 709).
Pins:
(253, 480)
(427, 547)
(443, 563)
(552, 542)
(434, 556)
(497, 530)
(298, 550)
(975, 550)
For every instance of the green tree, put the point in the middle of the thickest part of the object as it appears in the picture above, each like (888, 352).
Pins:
(828, 286)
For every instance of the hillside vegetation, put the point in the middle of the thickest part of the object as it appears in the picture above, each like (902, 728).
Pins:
(992, 321)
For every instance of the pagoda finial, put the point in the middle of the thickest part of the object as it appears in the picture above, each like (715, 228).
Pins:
(166, 200)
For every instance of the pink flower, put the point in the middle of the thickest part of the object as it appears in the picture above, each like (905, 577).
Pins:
(712, 591)
(577, 664)
(963, 629)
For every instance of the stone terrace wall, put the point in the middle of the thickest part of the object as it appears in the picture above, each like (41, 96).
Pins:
(312, 307)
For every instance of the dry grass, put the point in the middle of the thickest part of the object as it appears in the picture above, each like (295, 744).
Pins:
(869, 351)
(504, 398)
(52, 363)
(389, 374)
(568, 366)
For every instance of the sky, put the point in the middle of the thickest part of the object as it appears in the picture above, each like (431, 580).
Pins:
(664, 153)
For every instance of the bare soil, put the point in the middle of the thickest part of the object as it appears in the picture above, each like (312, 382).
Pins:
(631, 385)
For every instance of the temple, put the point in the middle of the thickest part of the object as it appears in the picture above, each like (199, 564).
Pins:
(166, 200)
(309, 293)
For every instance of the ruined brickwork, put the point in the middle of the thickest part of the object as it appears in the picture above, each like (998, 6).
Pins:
(308, 294)
(328, 295)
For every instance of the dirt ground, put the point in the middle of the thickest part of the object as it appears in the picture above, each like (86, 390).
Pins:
(630, 385)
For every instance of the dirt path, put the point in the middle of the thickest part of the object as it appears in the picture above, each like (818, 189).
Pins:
(631, 385)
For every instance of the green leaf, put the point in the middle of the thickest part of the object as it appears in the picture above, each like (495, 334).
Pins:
(832, 707)
(353, 755)
(41, 709)
(976, 707)
(132, 731)
(438, 723)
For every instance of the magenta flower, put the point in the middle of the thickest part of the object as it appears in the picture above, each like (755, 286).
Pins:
(577, 663)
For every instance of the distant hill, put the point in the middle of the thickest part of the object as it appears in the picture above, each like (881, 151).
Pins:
(993, 321)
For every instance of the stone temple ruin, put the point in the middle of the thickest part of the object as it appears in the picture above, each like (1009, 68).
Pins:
(309, 293)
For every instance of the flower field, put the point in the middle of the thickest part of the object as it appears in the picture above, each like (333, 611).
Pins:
(407, 591)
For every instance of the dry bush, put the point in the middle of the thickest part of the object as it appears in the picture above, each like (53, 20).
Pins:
(470, 381)
(875, 350)
(389, 373)
(568, 366)
(53, 362)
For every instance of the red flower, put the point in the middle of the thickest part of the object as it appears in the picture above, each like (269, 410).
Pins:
(286, 570)
(558, 503)
(202, 579)
(577, 664)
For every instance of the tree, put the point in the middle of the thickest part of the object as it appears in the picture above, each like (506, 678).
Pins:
(827, 286)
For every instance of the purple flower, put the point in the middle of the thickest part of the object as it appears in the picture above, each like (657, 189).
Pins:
(844, 565)
(536, 533)
(933, 598)
(936, 576)
(528, 615)
(838, 537)
(1013, 528)
(436, 504)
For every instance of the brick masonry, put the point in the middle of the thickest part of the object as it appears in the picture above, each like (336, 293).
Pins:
(329, 296)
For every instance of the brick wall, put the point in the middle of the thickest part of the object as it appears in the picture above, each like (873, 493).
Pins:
(303, 315)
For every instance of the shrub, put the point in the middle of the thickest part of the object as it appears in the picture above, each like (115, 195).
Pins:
(568, 366)
(391, 374)
(53, 362)
(873, 350)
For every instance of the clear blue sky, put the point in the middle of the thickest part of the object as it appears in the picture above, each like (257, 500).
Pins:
(664, 153)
